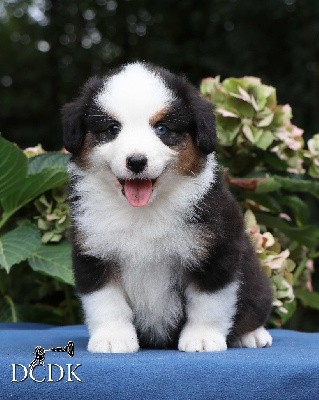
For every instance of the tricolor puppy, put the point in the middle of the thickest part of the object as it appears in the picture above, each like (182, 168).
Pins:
(160, 255)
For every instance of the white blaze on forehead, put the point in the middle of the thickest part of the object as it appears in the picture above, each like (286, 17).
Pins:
(134, 93)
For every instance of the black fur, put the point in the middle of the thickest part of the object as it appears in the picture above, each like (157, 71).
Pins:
(232, 256)
(73, 116)
(198, 109)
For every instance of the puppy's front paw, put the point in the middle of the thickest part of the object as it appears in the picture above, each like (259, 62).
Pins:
(201, 338)
(118, 338)
(257, 338)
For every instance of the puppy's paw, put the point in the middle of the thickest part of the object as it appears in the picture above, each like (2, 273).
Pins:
(201, 338)
(119, 338)
(257, 338)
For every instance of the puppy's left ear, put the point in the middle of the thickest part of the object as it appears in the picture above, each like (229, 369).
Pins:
(205, 124)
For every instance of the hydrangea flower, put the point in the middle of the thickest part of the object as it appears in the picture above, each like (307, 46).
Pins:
(313, 155)
(275, 262)
(248, 117)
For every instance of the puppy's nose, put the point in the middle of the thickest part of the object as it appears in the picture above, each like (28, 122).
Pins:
(136, 162)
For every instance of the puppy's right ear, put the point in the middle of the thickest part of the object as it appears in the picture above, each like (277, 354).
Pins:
(73, 129)
(73, 115)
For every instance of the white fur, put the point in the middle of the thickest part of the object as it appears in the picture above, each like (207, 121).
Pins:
(135, 93)
(257, 338)
(109, 320)
(118, 98)
(209, 319)
(152, 244)
(113, 228)
(133, 140)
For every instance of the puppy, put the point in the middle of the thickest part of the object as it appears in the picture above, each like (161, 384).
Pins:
(160, 254)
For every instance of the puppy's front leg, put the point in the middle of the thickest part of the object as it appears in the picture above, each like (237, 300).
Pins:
(209, 318)
(109, 320)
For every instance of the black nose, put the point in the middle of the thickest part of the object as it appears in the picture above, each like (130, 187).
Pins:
(136, 162)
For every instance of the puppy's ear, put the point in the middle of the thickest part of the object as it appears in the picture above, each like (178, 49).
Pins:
(205, 125)
(73, 115)
(73, 129)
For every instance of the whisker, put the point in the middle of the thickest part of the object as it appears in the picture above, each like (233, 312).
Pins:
(185, 169)
(96, 115)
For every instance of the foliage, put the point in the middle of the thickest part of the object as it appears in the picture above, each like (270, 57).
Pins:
(29, 221)
(62, 43)
(275, 262)
(276, 180)
(250, 121)
(54, 217)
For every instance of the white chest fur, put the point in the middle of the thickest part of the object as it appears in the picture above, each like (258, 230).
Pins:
(152, 246)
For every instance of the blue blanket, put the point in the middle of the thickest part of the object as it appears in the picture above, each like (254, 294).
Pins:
(287, 370)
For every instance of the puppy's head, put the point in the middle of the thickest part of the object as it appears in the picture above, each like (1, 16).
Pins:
(139, 123)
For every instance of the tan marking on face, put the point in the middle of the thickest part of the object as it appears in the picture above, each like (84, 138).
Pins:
(157, 117)
(190, 160)
(82, 158)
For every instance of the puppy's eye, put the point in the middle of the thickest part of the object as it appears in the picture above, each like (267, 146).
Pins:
(161, 130)
(113, 129)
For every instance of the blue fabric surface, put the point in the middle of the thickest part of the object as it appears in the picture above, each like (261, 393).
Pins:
(287, 370)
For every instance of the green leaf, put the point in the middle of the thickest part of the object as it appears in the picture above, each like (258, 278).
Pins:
(54, 160)
(271, 97)
(226, 113)
(299, 208)
(265, 140)
(314, 171)
(267, 201)
(226, 137)
(307, 235)
(300, 269)
(242, 107)
(17, 245)
(308, 299)
(266, 121)
(274, 161)
(299, 185)
(32, 187)
(231, 84)
(13, 166)
(53, 260)
(8, 310)
(248, 133)
(13, 309)
(228, 124)
(291, 308)
(269, 185)
(289, 184)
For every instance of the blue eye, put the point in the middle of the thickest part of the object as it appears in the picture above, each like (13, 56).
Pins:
(114, 129)
(161, 130)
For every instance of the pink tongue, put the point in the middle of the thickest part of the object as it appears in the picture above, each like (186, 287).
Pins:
(138, 191)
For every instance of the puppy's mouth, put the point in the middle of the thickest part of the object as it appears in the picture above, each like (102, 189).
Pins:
(137, 191)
